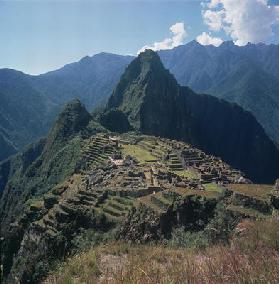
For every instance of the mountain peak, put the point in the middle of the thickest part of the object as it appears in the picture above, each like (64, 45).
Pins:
(193, 43)
(149, 60)
(145, 81)
(228, 43)
(85, 59)
(71, 120)
(149, 99)
(148, 54)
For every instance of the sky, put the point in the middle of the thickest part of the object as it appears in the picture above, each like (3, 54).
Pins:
(37, 36)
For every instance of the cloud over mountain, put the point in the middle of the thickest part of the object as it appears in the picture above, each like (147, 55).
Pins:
(179, 33)
(207, 39)
(244, 20)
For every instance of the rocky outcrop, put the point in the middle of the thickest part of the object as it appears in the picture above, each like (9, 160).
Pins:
(144, 225)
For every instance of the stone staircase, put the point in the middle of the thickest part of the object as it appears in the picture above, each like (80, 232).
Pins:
(193, 158)
(174, 163)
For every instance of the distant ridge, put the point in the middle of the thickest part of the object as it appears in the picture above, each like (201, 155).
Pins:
(29, 104)
(91, 79)
(246, 75)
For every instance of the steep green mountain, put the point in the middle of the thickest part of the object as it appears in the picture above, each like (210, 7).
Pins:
(52, 159)
(29, 104)
(245, 75)
(26, 177)
(155, 104)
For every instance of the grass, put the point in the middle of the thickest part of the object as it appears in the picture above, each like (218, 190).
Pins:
(243, 261)
(186, 174)
(79, 268)
(113, 212)
(117, 206)
(259, 235)
(35, 202)
(146, 200)
(260, 191)
(213, 187)
(138, 152)
(246, 211)
(160, 201)
(127, 201)
(186, 192)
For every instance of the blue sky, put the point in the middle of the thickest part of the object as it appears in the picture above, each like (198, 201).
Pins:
(38, 36)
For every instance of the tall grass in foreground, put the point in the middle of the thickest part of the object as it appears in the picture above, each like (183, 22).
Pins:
(252, 257)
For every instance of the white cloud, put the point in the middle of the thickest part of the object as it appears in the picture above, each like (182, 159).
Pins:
(244, 20)
(214, 19)
(207, 39)
(214, 3)
(178, 35)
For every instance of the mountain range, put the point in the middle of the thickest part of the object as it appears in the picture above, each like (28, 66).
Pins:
(29, 104)
(85, 183)
(245, 75)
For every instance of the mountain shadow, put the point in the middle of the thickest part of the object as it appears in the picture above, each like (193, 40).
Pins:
(246, 75)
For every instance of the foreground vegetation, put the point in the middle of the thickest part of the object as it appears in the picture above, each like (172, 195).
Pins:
(251, 257)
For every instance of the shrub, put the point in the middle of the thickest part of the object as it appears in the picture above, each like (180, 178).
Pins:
(186, 239)
(221, 226)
